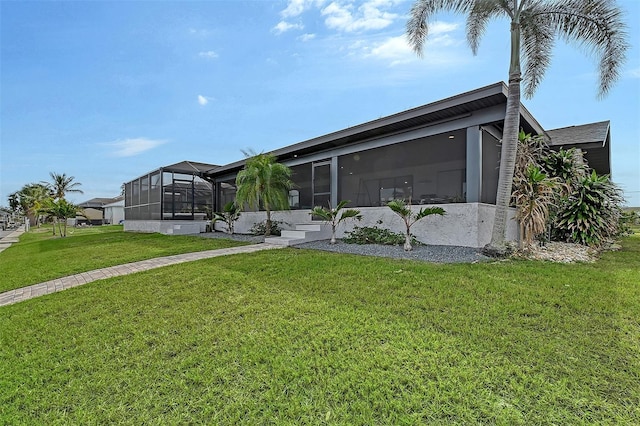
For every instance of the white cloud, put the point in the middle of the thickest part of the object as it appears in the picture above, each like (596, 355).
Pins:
(131, 147)
(369, 16)
(284, 26)
(297, 7)
(394, 49)
(440, 27)
(307, 37)
(202, 100)
(209, 54)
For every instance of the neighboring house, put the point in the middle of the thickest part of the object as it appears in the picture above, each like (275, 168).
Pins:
(114, 212)
(446, 152)
(93, 211)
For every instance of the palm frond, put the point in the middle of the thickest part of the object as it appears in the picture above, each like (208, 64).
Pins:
(421, 12)
(479, 15)
(537, 48)
(595, 25)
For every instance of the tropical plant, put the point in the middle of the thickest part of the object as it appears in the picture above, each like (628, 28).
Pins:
(229, 214)
(60, 210)
(31, 200)
(595, 24)
(333, 216)
(61, 184)
(264, 183)
(591, 214)
(533, 194)
(567, 165)
(403, 210)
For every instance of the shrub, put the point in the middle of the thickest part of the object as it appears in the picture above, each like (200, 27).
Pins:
(590, 215)
(376, 235)
(260, 228)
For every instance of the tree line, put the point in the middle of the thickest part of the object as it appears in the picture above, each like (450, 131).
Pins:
(44, 201)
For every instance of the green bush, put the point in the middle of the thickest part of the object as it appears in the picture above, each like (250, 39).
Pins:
(260, 228)
(591, 214)
(376, 235)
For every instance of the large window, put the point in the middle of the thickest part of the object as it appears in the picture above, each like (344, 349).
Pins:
(426, 171)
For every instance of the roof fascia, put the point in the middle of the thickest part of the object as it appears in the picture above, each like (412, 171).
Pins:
(474, 95)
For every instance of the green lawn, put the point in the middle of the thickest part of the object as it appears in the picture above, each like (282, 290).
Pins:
(304, 337)
(40, 256)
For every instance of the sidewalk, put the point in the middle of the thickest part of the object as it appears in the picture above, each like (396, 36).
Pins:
(59, 284)
(12, 237)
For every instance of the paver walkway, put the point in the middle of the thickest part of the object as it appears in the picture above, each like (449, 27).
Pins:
(59, 284)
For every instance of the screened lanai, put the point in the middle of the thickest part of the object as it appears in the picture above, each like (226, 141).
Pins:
(175, 192)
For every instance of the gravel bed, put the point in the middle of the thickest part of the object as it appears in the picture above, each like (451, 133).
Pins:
(425, 253)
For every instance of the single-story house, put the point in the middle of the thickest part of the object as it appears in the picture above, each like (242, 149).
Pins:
(93, 211)
(114, 212)
(446, 152)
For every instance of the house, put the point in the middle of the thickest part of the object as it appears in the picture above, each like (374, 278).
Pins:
(445, 152)
(93, 211)
(114, 212)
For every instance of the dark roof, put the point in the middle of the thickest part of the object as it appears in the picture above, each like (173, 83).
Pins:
(594, 139)
(458, 106)
(97, 203)
(189, 167)
(596, 133)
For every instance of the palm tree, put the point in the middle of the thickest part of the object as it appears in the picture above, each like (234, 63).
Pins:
(62, 184)
(333, 216)
(403, 210)
(264, 183)
(596, 24)
(32, 199)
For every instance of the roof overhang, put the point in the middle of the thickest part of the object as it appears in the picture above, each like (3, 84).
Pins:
(449, 109)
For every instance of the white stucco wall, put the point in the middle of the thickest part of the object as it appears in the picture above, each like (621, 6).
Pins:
(464, 224)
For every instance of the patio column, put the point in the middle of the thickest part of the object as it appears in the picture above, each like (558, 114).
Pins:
(474, 164)
(334, 181)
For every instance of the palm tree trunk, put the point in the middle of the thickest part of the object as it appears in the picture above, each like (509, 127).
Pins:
(509, 143)
(267, 230)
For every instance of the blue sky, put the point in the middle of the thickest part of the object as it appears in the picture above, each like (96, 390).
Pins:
(108, 90)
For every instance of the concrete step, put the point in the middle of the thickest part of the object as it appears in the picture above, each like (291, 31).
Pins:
(284, 241)
(295, 234)
(303, 233)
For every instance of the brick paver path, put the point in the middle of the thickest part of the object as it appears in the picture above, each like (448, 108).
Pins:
(59, 284)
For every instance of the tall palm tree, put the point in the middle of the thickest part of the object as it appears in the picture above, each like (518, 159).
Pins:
(535, 24)
(264, 183)
(62, 184)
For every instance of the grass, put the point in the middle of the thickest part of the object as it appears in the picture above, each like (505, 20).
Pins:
(40, 256)
(304, 337)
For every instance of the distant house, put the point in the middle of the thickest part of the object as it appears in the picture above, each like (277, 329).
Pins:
(93, 211)
(114, 212)
(446, 152)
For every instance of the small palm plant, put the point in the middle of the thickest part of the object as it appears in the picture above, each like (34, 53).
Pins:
(229, 214)
(403, 210)
(333, 216)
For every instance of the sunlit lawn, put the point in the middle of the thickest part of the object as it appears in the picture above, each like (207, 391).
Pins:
(305, 337)
(40, 256)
